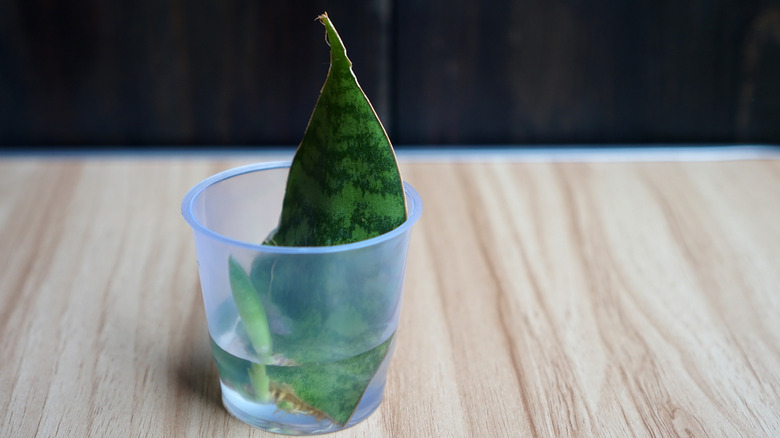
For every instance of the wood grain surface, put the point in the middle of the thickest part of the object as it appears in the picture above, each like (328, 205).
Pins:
(541, 299)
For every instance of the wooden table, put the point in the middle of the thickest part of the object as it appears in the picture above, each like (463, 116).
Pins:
(542, 298)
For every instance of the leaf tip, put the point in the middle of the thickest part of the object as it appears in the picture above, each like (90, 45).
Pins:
(337, 50)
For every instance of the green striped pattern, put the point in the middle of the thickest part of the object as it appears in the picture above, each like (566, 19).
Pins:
(344, 184)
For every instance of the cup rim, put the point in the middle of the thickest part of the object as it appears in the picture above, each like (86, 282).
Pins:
(413, 202)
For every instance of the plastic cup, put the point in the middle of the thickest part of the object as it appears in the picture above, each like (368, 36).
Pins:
(302, 336)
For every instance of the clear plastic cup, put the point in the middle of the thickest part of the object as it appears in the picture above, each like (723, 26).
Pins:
(302, 336)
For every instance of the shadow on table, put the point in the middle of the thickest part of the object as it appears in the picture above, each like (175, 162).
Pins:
(194, 375)
(191, 366)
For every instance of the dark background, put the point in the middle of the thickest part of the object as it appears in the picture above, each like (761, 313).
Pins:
(240, 72)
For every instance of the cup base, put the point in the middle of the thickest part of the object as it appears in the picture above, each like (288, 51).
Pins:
(268, 417)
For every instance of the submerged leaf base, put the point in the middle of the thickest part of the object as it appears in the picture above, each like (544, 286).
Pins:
(330, 390)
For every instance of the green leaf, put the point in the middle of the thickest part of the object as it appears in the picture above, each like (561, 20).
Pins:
(334, 388)
(253, 318)
(250, 309)
(344, 184)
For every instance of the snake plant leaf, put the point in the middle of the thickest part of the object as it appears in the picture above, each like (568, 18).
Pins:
(344, 184)
(348, 378)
